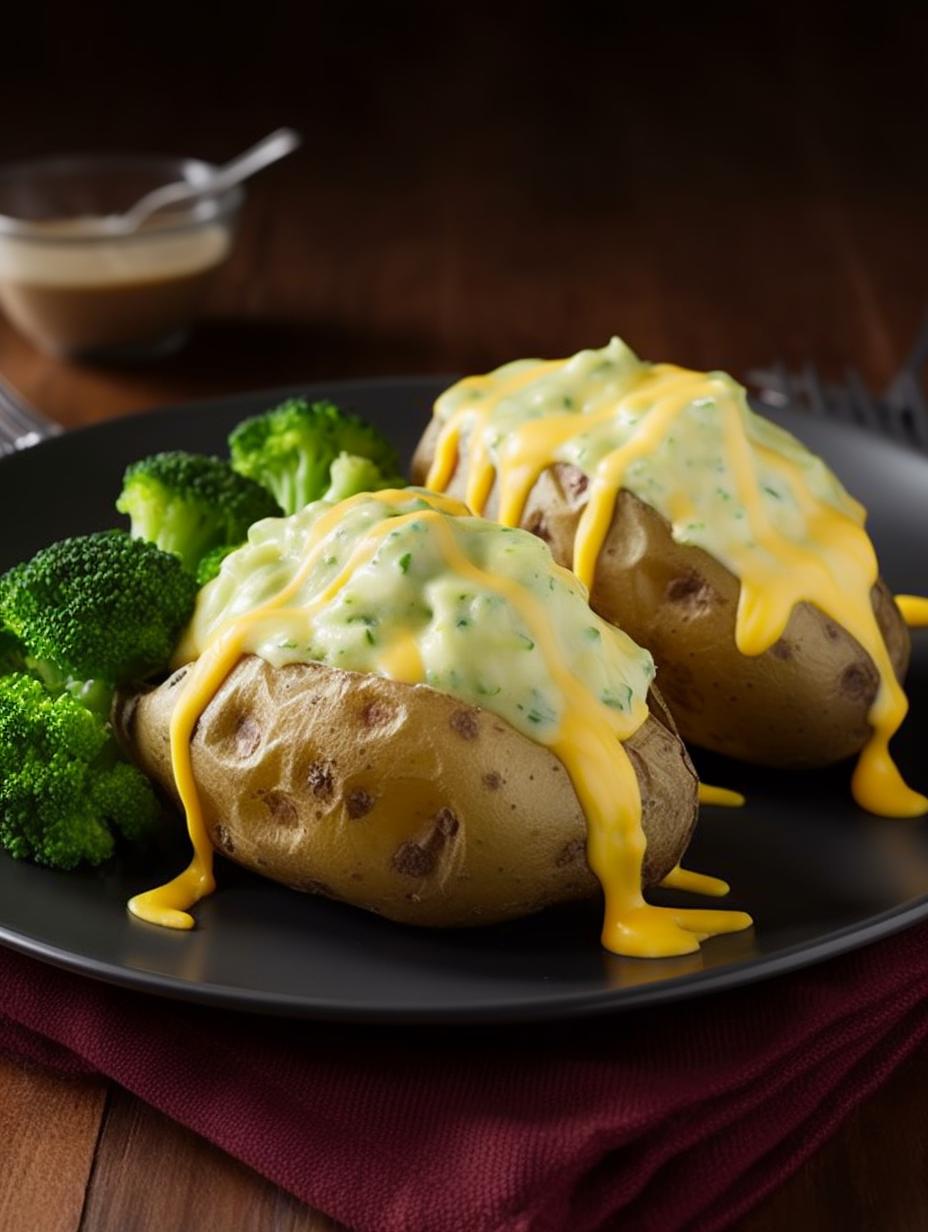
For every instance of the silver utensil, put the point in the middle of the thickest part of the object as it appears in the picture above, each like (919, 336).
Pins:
(900, 412)
(21, 425)
(271, 149)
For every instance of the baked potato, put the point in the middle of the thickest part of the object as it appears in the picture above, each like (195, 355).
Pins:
(802, 703)
(399, 798)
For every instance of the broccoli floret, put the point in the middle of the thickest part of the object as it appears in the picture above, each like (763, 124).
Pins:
(188, 504)
(62, 787)
(291, 449)
(124, 796)
(101, 607)
(209, 566)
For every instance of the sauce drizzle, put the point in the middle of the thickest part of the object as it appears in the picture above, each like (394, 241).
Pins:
(515, 428)
(914, 610)
(587, 739)
(722, 797)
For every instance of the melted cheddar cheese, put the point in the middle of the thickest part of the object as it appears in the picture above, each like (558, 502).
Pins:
(722, 796)
(727, 480)
(408, 585)
(914, 610)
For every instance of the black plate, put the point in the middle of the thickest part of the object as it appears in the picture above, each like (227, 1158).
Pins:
(818, 875)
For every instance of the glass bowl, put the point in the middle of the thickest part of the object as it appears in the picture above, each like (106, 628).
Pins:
(77, 291)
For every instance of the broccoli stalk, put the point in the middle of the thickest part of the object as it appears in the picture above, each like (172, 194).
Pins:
(98, 608)
(63, 789)
(188, 504)
(12, 653)
(296, 452)
(350, 474)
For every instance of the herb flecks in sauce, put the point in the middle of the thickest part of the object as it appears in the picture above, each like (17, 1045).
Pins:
(727, 480)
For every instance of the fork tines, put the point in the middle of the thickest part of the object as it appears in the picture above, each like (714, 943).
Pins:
(901, 413)
(21, 425)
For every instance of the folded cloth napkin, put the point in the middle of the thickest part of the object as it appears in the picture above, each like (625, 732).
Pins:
(681, 1117)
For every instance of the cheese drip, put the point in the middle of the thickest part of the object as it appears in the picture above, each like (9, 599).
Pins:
(591, 690)
(695, 883)
(727, 480)
(914, 610)
(723, 797)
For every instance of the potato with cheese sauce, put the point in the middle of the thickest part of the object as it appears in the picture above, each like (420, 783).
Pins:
(710, 535)
(400, 705)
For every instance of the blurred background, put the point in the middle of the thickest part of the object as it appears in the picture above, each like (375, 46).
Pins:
(483, 182)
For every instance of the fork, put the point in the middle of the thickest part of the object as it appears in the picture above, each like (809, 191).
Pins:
(21, 425)
(900, 412)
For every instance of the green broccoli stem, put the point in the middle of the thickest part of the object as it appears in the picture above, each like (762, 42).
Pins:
(176, 528)
(96, 695)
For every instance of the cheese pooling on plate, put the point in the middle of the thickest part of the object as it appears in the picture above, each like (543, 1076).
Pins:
(726, 479)
(407, 585)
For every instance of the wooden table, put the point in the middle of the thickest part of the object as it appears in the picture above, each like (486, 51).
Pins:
(720, 194)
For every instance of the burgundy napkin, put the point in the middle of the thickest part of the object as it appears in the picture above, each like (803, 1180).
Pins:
(682, 1117)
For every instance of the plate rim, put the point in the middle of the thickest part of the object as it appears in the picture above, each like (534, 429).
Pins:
(553, 1008)
(549, 1008)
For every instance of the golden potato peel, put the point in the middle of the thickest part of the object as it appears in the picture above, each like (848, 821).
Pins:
(398, 798)
(802, 703)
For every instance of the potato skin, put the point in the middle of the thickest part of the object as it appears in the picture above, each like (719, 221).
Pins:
(803, 703)
(398, 798)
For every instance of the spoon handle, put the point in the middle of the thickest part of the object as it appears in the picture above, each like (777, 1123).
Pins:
(276, 145)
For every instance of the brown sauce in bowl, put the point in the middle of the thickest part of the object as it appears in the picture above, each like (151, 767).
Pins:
(75, 291)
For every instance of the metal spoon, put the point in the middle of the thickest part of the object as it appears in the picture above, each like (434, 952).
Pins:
(275, 146)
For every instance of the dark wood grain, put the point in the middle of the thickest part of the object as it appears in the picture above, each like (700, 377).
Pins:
(721, 191)
(718, 191)
(150, 1175)
(48, 1135)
